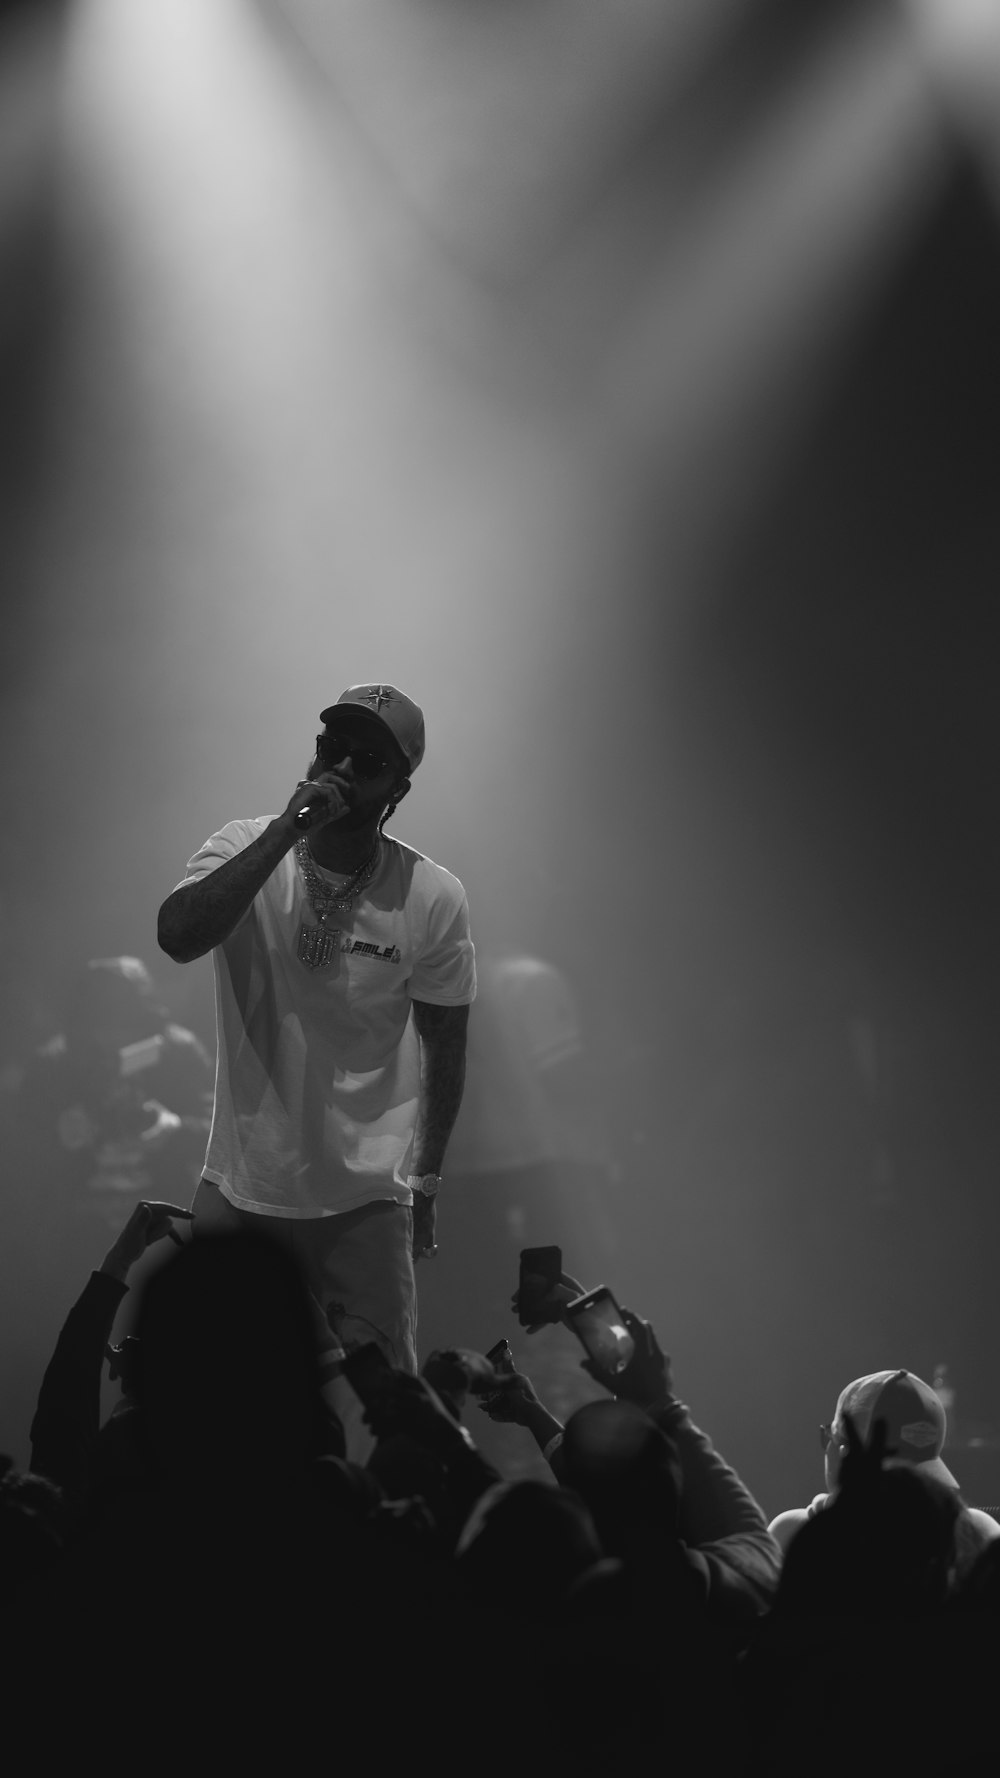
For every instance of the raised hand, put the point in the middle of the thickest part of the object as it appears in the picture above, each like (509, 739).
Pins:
(150, 1221)
(646, 1379)
(512, 1401)
(537, 1303)
(324, 796)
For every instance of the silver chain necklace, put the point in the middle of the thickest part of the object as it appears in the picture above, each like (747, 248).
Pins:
(317, 945)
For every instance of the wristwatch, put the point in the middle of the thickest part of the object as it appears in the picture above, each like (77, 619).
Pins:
(426, 1184)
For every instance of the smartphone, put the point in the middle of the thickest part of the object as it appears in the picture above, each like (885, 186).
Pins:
(542, 1262)
(597, 1322)
(366, 1369)
(543, 1266)
(501, 1357)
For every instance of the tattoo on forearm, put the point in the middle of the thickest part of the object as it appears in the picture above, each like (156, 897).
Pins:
(442, 1078)
(198, 916)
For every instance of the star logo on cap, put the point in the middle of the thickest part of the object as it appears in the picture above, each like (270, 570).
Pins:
(377, 696)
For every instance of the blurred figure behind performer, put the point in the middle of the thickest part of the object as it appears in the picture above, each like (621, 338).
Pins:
(531, 1165)
(116, 1106)
(112, 1109)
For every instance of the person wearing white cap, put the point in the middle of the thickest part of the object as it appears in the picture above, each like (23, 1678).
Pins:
(915, 1428)
(344, 971)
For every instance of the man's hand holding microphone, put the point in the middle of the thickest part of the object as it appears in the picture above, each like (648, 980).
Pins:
(316, 801)
(201, 914)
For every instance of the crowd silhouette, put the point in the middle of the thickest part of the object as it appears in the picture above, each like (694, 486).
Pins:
(210, 1572)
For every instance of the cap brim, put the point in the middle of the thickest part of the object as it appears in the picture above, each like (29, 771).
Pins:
(932, 1466)
(354, 710)
(939, 1470)
(357, 712)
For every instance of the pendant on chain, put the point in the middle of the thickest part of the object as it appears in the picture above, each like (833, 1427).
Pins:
(317, 945)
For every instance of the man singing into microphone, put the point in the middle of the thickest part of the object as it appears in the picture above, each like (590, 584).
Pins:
(344, 970)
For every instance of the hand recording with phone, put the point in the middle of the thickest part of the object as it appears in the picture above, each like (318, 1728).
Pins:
(543, 1288)
(599, 1325)
(619, 1347)
(546, 1296)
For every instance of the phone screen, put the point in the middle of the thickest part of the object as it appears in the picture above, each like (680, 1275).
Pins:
(597, 1322)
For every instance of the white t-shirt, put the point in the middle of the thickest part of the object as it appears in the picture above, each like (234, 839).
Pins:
(318, 1070)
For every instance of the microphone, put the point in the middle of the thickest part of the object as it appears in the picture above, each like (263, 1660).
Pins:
(308, 812)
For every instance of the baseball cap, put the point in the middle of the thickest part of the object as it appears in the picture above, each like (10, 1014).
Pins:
(391, 709)
(915, 1421)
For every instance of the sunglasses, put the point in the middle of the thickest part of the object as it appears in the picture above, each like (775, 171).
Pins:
(332, 749)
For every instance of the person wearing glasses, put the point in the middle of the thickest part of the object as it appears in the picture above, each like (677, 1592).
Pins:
(915, 1427)
(344, 971)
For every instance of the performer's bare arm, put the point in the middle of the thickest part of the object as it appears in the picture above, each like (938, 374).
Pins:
(442, 1032)
(200, 915)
